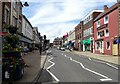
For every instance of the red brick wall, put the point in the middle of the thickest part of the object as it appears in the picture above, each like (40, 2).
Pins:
(113, 30)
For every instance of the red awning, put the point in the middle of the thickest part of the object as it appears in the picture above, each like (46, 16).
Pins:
(3, 33)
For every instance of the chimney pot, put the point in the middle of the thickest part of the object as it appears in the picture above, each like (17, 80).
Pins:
(105, 7)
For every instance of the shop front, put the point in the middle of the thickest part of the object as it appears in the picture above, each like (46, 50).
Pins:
(86, 44)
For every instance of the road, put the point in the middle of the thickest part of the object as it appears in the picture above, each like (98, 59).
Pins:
(64, 66)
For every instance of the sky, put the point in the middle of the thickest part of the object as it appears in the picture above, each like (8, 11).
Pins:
(55, 18)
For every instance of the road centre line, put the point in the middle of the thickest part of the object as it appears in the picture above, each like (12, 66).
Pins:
(51, 72)
(106, 78)
(90, 58)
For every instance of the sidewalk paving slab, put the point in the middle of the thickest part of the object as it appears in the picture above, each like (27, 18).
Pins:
(34, 63)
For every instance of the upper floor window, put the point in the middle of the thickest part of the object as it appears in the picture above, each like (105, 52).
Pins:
(106, 32)
(14, 21)
(98, 23)
(106, 19)
(6, 16)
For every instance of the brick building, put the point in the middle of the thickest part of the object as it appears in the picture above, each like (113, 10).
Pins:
(88, 22)
(78, 36)
(57, 42)
(106, 31)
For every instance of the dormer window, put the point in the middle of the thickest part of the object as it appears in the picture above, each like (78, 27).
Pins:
(106, 19)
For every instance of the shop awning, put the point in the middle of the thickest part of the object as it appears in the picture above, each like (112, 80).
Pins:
(86, 41)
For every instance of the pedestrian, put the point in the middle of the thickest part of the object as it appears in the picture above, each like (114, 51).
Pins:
(40, 49)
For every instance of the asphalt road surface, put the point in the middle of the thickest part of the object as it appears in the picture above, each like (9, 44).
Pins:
(64, 66)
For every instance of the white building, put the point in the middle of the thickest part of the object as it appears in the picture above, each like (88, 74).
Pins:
(71, 35)
(27, 31)
(36, 36)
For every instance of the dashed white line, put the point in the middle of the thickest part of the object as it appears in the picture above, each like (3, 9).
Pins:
(70, 58)
(65, 55)
(112, 66)
(90, 59)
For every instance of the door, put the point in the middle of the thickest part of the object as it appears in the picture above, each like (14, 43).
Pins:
(115, 49)
(101, 46)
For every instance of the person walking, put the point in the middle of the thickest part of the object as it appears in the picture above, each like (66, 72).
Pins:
(40, 48)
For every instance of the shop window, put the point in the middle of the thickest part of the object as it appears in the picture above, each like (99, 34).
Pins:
(106, 32)
(98, 23)
(97, 45)
(106, 19)
(108, 45)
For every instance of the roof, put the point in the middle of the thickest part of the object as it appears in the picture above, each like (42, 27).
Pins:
(27, 21)
(92, 13)
(112, 8)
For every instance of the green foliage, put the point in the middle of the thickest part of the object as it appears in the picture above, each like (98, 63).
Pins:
(11, 40)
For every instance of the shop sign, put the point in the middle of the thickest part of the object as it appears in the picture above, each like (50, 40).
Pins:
(101, 27)
(86, 41)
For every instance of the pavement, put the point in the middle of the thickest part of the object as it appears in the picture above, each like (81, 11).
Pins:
(107, 58)
(34, 64)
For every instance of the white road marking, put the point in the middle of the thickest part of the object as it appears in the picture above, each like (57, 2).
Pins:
(53, 76)
(106, 78)
(51, 62)
(82, 65)
(57, 80)
(89, 58)
(62, 53)
(112, 66)
(65, 55)
(75, 61)
(106, 63)
(70, 58)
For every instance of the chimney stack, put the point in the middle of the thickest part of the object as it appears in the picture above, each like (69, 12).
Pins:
(105, 7)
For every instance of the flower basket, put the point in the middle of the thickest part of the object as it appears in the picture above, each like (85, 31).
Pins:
(15, 54)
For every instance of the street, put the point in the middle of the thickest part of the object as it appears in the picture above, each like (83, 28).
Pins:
(64, 66)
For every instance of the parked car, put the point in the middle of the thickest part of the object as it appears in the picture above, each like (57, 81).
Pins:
(62, 48)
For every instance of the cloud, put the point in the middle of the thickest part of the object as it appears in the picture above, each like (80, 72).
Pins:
(56, 17)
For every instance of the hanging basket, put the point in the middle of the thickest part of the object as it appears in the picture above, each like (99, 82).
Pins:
(15, 54)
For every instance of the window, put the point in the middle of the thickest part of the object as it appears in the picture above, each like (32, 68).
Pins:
(106, 32)
(106, 19)
(6, 16)
(80, 35)
(14, 21)
(98, 35)
(97, 45)
(101, 33)
(108, 45)
(98, 23)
